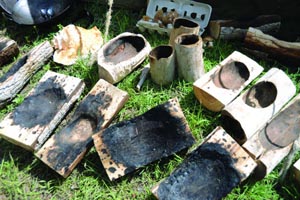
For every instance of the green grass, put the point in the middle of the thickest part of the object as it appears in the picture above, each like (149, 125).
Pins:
(22, 176)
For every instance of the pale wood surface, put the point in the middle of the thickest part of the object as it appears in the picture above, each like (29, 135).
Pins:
(22, 70)
(214, 97)
(296, 171)
(273, 142)
(30, 135)
(253, 117)
(8, 50)
(65, 149)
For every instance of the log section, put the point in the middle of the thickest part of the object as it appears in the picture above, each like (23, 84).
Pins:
(65, 149)
(31, 123)
(8, 50)
(128, 145)
(224, 82)
(21, 71)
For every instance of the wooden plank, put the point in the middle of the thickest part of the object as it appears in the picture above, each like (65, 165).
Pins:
(249, 112)
(22, 70)
(31, 123)
(8, 50)
(65, 149)
(210, 171)
(296, 171)
(274, 141)
(130, 144)
(221, 85)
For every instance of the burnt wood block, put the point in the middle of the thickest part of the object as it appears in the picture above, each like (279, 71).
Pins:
(65, 149)
(274, 141)
(22, 70)
(249, 112)
(31, 123)
(158, 133)
(221, 85)
(8, 50)
(296, 171)
(210, 171)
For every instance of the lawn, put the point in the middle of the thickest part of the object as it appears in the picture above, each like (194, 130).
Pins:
(23, 176)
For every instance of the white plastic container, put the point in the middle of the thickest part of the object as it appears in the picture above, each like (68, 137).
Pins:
(195, 11)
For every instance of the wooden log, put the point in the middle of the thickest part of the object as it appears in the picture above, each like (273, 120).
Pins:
(249, 112)
(65, 149)
(162, 64)
(221, 85)
(121, 55)
(130, 144)
(296, 171)
(189, 57)
(143, 77)
(236, 30)
(22, 70)
(31, 123)
(288, 52)
(273, 142)
(210, 171)
(8, 50)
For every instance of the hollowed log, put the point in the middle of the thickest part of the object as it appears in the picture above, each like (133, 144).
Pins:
(249, 112)
(274, 141)
(128, 145)
(31, 123)
(65, 149)
(210, 172)
(223, 83)
(121, 55)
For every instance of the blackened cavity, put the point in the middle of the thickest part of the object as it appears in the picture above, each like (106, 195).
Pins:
(207, 173)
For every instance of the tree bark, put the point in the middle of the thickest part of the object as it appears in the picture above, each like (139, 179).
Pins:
(22, 70)
(8, 50)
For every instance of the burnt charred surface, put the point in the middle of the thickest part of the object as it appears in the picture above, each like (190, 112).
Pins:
(156, 134)
(283, 129)
(40, 107)
(14, 68)
(207, 173)
(75, 138)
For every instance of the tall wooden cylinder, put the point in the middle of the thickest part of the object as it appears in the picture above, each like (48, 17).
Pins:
(181, 26)
(189, 57)
(162, 64)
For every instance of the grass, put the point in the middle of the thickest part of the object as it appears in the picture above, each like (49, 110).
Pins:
(22, 176)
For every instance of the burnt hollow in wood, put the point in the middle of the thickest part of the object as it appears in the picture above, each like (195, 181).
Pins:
(207, 173)
(156, 134)
(123, 49)
(14, 68)
(283, 129)
(163, 51)
(233, 127)
(187, 39)
(261, 95)
(185, 23)
(75, 138)
(40, 107)
(231, 76)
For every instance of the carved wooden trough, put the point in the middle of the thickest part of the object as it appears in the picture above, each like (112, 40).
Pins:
(21, 71)
(257, 105)
(210, 171)
(128, 145)
(65, 149)
(122, 54)
(223, 83)
(31, 123)
(274, 141)
(8, 50)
